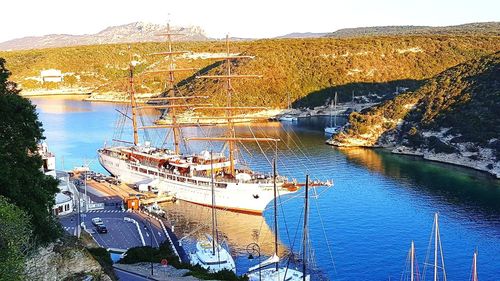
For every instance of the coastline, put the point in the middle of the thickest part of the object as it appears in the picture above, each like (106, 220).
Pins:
(57, 92)
(453, 159)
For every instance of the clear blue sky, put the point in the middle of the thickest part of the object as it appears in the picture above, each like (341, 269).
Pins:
(255, 18)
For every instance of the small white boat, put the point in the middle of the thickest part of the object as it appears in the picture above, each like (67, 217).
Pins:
(209, 254)
(275, 275)
(333, 129)
(264, 271)
(288, 117)
(212, 256)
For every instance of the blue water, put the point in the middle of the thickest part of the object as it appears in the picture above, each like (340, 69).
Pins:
(379, 204)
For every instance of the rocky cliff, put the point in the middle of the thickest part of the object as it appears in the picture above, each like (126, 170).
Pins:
(64, 260)
(452, 118)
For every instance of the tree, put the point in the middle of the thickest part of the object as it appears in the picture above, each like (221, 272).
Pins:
(70, 80)
(21, 179)
(15, 232)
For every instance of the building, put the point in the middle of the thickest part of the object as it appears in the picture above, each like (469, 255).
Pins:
(51, 75)
(64, 199)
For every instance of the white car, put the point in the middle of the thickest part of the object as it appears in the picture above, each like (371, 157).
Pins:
(97, 221)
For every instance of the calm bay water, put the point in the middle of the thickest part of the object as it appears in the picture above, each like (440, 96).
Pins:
(380, 202)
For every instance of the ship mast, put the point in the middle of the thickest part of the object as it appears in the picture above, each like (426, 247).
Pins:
(175, 104)
(133, 102)
(229, 112)
(171, 90)
(231, 135)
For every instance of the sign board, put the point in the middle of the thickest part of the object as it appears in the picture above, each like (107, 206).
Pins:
(164, 262)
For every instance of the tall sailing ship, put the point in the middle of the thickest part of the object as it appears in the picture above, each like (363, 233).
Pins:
(188, 176)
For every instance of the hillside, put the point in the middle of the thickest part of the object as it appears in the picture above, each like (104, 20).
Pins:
(127, 33)
(452, 118)
(480, 28)
(302, 35)
(311, 70)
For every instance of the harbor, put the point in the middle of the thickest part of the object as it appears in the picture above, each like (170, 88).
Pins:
(455, 192)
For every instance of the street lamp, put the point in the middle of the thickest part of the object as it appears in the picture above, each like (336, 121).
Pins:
(151, 239)
(252, 250)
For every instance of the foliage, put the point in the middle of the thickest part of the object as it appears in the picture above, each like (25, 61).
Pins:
(20, 177)
(103, 257)
(464, 99)
(15, 233)
(149, 254)
(481, 28)
(309, 70)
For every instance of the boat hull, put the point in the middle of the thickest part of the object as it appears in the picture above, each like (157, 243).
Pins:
(250, 198)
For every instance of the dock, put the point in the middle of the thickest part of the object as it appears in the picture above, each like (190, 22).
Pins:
(158, 199)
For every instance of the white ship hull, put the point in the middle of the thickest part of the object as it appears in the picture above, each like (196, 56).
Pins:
(249, 198)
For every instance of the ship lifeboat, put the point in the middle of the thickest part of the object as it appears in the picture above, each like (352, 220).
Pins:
(290, 186)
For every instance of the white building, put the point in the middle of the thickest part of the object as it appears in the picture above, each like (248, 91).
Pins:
(51, 75)
(63, 200)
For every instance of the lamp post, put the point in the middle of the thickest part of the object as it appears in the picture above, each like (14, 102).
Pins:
(252, 250)
(151, 239)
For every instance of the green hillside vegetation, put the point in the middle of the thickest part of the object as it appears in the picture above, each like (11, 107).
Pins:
(464, 100)
(26, 194)
(483, 28)
(309, 69)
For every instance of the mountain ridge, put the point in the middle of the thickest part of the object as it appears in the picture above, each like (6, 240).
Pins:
(146, 32)
(126, 33)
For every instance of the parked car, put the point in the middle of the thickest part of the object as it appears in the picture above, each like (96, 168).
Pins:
(101, 228)
(97, 221)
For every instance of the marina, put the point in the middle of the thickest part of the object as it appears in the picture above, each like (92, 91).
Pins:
(250, 141)
(374, 192)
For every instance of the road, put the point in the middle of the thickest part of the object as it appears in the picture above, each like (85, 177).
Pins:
(121, 234)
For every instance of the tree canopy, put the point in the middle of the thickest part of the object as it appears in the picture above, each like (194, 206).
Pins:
(15, 233)
(21, 179)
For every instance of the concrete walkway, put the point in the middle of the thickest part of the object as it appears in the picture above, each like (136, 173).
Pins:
(160, 272)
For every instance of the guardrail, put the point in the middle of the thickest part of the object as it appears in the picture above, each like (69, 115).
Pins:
(127, 219)
(95, 206)
(166, 233)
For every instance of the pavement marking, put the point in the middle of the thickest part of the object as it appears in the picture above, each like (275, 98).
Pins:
(106, 211)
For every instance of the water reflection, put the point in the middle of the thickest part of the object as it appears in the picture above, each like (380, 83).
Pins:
(380, 201)
(239, 229)
(469, 189)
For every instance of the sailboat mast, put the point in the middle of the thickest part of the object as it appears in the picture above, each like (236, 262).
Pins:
(436, 231)
(335, 110)
(275, 210)
(474, 266)
(412, 261)
(304, 243)
(214, 234)
(133, 102)
(229, 112)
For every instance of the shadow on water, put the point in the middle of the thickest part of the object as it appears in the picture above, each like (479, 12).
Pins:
(345, 92)
(456, 185)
